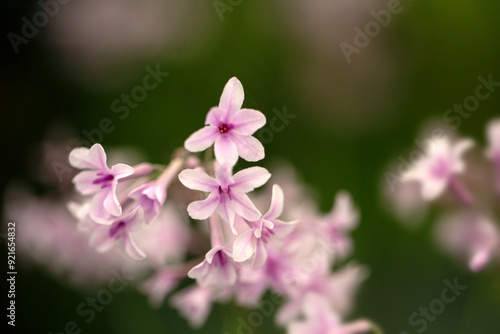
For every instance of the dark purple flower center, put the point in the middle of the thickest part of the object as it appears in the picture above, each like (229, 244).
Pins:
(103, 179)
(266, 233)
(116, 228)
(226, 191)
(219, 259)
(223, 128)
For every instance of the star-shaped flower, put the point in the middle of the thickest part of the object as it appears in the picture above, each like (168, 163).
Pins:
(98, 179)
(227, 193)
(230, 128)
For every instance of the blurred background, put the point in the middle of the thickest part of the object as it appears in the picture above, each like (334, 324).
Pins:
(356, 101)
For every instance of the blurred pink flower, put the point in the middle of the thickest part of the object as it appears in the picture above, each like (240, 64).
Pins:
(98, 179)
(105, 235)
(165, 239)
(47, 235)
(321, 319)
(470, 236)
(194, 303)
(339, 222)
(229, 128)
(436, 169)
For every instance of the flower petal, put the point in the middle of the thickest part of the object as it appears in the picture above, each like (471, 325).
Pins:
(131, 248)
(120, 171)
(244, 207)
(232, 96)
(250, 178)
(84, 183)
(111, 203)
(201, 139)
(277, 201)
(224, 174)
(84, 158)
(216, 116)
(226, 210)
(260, 257)
(244, 246)
(198, 180)
(246, 121)
(203, 209)
(249, 148)
(225, 149)
(433, 188)
(100, 239)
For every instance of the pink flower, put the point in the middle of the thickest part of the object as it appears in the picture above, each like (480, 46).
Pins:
(227, 193)
(194, 303)
(165, 239)
(253, 241)
(437, 167)
(470, 236)
(151, 196)
(321, 319)
(105, 235)
(229, 128)
(161, 284)
(339, 288)
(98, 179)
(342, 219)
(217, 270)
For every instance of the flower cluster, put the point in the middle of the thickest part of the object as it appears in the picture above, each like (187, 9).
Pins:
(465, 181)
(235, 243)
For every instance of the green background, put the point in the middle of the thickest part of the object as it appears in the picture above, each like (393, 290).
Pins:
(351, 121)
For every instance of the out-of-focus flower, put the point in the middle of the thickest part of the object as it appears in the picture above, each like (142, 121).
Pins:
(321, 319)
(227, 192)
(47, 235)
(98, 179)
(342, 219)
(105, 235)
(438, 167)
(338, 288)
(165, 239)
(469, 236)
(229, 128)
(160, 284)
(194, 303)
(405, 201)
